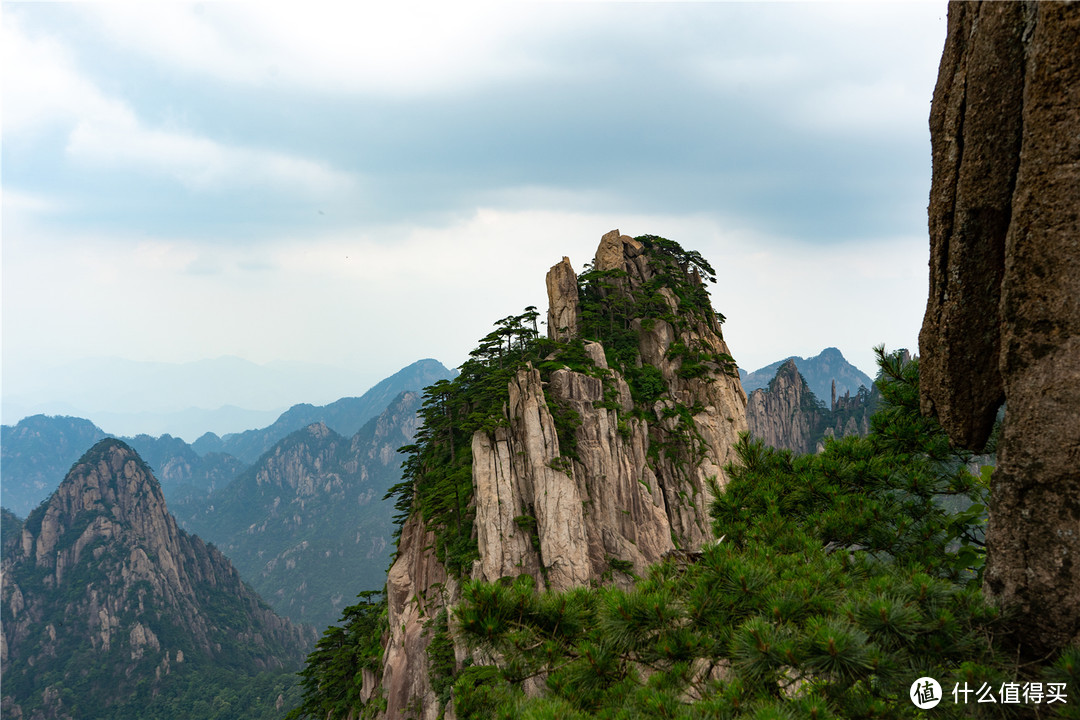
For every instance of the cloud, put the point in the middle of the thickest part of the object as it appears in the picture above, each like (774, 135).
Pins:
(42, 87)
(199, 163)
(48, 90)
(398, 49)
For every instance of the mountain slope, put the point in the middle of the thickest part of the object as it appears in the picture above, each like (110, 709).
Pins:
(108, 607)
(788, 415)
(307, 525)
(564, 461)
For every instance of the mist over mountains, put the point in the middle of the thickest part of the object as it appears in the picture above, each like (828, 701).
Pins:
(220, 395)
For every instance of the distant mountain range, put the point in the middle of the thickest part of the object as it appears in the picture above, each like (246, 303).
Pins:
(345, 416)
(307, 525)
(128, 397)
(819, 372)
(36, 453)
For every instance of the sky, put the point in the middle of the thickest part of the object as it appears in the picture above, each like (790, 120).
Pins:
(360, 188)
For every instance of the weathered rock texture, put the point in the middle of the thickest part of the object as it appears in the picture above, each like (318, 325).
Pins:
(634, 490)
(1003, 316)
(104, 567)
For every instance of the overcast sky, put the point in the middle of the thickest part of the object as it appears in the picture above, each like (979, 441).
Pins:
(367, 187)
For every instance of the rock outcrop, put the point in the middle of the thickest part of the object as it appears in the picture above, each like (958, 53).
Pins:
(827, 371)
(103, 567)
(1003, 316)
(564, 314)
(580, 482)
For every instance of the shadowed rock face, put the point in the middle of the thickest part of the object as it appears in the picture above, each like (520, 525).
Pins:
(1003, 317)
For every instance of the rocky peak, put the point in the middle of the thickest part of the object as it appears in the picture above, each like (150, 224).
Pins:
(602, 460)
(109, 491)
(103, 566)
(786, 414)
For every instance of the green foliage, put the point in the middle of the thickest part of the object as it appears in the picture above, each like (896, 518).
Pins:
(332, 680)
(837, 580)
(440, 653)
(437, 472)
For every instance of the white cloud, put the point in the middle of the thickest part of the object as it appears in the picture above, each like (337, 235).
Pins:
(198, 162)
(43, 88)
(392, 48)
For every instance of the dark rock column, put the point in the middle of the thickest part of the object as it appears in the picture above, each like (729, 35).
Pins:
(1003, 316)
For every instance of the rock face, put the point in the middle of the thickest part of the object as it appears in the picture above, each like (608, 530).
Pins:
(827, 371)
(635, 486)
(1003, 316)
(102, 581)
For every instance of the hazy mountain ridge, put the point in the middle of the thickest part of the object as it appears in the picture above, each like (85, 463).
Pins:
(788, 415)
(175, 398)
(107, 605)
(345, 416)
(39, 450)
(818, 371)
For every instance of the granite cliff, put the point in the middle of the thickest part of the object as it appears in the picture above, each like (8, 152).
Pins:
(1002, 319)
(598, 458)
(825, 373)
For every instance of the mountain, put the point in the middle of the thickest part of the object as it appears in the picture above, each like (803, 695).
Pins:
(566, 461)
(345, 416)
(109, 610)
(39, 450)
(788, 415)
(129, 396)
(819, 372)
(307, 525)
(10, 529)
(184, 473)
(36, 453)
